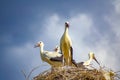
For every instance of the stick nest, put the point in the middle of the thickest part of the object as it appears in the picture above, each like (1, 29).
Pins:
(77, 73)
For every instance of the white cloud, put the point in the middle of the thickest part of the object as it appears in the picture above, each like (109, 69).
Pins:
(25, 57)
(116, 4)
(106, 54)
(26, 54)
(114, 18)
(53, 27)
(81, 25)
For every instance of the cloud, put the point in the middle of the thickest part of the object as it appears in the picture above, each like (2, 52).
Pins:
(53, 27)
(24, 57)
(116, 4)
(114, 18)
(81, 25)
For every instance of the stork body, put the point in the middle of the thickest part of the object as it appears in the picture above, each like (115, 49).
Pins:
(47, 55)
(66, 47)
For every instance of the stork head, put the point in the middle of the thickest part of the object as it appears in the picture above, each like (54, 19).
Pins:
(39, 44)
(92, 56)
(67, 24)
(57, 48)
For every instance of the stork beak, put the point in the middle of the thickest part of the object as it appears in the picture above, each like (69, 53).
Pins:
(96, 60)
(36, 45)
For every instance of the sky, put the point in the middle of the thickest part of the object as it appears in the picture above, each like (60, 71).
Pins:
(94, 26)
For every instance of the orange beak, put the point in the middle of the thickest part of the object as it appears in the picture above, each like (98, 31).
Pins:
(36, 45)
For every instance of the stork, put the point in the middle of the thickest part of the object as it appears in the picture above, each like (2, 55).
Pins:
(91, 57)
(47, 56)
(66, 47)
(86, 64)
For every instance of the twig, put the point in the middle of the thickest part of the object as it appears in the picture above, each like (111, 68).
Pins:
(24, 73)
(28, 76)
(31, 72)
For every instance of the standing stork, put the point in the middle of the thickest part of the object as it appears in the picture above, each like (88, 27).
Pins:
(51, 57)
(66, 47)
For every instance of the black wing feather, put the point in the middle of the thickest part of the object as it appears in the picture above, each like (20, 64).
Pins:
(73, 61)
(59, 59)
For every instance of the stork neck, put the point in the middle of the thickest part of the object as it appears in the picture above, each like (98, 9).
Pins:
(66, 29)
(41, 49)
(90, 59)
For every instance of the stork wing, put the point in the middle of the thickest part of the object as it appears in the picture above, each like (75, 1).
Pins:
(73, 61)
(71, 50)
(52, 54)
(57, 59)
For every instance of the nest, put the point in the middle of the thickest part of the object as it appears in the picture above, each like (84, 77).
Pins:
(77, 73)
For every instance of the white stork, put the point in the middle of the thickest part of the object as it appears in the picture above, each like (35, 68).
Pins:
(48, 56)
(66, 47)
(91, 57)
(86, 64)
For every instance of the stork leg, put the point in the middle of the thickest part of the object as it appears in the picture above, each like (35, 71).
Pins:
(69, 61)
(71, 55)
(63, 62)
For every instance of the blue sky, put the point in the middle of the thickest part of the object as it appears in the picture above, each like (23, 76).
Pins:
(94, 26)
